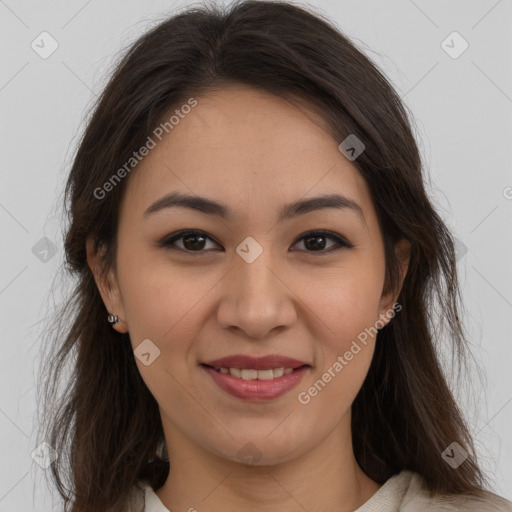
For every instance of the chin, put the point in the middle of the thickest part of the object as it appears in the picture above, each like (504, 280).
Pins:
(262, 451)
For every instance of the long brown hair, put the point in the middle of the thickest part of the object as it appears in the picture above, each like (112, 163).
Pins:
(105, 424)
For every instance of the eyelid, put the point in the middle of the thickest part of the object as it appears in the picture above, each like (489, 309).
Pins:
(168, 241)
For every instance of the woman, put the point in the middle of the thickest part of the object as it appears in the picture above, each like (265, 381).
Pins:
(259, 273)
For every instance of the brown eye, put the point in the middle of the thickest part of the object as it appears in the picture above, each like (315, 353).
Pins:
(317, 241)
(194, 241)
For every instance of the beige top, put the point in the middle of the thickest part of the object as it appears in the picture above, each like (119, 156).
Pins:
(404, 492)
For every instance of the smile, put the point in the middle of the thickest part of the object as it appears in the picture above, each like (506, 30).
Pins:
(255, 385)
(249, 374)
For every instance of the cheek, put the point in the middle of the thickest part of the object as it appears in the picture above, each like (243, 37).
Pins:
(346, 303)
(345, 347)
(159, 297)
(163, 300)
(162, 305)
(348, 308)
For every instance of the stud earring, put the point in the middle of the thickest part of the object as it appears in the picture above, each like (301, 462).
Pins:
(112, 319)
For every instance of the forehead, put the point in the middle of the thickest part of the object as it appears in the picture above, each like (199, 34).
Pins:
(250, 148)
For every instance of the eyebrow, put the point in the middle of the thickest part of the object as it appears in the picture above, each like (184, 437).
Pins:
(288, 211)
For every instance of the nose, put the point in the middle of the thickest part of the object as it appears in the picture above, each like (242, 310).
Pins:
(256, 298)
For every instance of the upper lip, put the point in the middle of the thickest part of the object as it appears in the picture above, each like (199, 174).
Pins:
(256, 363)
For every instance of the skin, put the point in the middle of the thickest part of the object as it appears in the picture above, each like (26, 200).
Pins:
(253, 152)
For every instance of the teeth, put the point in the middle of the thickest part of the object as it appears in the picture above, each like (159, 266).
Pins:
(249, 374)
(278, 372)
(235, 372)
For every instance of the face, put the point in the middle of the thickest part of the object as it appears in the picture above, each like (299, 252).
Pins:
(249, 282)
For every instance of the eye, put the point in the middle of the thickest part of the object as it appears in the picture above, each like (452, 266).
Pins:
(317, 240)
(195, 240)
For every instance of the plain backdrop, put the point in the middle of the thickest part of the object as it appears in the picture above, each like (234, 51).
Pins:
(461, 99)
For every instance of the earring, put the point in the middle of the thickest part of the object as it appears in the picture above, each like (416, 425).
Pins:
(112, 319)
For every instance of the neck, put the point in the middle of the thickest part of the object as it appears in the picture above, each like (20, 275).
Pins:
(326, 478)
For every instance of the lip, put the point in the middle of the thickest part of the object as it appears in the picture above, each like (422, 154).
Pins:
(256, 363)
(256, 390)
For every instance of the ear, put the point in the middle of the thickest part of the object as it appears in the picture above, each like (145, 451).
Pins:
(107, 286)
(388, 298)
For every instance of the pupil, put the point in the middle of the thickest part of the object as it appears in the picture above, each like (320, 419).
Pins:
(193, 246)
(315, 245)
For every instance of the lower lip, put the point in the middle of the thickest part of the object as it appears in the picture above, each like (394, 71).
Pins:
(256, 390)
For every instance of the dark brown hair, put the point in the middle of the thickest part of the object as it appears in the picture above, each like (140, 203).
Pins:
(105, 424)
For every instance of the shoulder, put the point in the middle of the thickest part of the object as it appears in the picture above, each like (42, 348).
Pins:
(136, 500)
(418, 498)
(403, 492)
(143, 498)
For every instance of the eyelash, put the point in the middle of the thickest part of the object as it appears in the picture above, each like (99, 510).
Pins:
(168, 241)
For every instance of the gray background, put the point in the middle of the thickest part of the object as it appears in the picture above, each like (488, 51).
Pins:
(463, 112)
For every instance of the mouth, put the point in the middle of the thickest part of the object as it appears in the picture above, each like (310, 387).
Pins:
(256, 379)
(252, 374)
